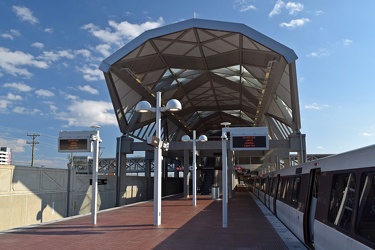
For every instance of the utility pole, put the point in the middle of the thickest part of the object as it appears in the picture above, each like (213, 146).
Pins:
(32, 143)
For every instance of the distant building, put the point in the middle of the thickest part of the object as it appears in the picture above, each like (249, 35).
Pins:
(5, 156)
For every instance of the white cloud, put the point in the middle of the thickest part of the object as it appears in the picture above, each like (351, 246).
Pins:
(4, 104)
(277, 8)
(106, 35)
(56, 55)
(347, 42)
(19, 86)
(53, 108)
(241, 2)
(13, 62)
(366, 134)
(320, 147)
(120, 33)
(16, 145)
(25, 111)
(316, 106)
(89, 89)
(44, 92)
(91, 73)
(13, 97)
(104, 49)
(48, 30)
(7, 36)
(53, 56)
(71, 97)
(247, 8)
(319, 53)
(244, 5)
(84, 52)
(131, 31)
(13, 33)
(68, 96)
(25, 14)
(38, 45)
(294, 8)
(295, 23)
(86, 113)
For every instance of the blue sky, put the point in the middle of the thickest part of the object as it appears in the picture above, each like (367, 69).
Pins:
(50, 52)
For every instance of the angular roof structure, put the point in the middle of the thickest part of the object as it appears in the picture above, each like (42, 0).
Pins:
(219, 71)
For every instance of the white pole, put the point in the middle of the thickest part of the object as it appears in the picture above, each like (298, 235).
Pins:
(225, 178)
(94, 206)
(157, 167)
(194, 169)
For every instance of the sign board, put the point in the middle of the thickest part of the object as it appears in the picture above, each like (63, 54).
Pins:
(250, 138)
(100, 181)
(153, 141)
(75, 141)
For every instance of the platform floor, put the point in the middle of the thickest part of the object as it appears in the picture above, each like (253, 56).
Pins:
(183, 227)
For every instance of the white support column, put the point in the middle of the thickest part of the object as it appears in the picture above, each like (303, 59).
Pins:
(225, 177)
(186, 173)
(157, 167)
(144, 106)
(202, 138)
(194, 168)
(94, 186)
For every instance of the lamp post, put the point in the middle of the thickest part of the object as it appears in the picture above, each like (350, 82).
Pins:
(144, 106)
(201, 138)
(94, 203)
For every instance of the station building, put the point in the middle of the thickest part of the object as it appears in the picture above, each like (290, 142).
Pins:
(224, 75)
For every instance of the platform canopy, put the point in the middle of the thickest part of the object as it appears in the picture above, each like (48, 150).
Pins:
(220, 72)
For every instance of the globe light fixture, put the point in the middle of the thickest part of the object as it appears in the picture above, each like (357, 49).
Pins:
(143, 107)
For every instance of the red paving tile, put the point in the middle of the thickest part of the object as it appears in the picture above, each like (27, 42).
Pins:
(183, 227)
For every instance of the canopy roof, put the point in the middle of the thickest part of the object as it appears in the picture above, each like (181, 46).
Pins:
(220, 72)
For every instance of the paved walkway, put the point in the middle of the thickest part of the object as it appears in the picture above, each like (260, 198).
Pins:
(131, 227)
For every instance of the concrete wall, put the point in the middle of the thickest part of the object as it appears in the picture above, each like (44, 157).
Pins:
(134, 189)
(173, 186)
(35, 195)
(31, 195)
(81, 193)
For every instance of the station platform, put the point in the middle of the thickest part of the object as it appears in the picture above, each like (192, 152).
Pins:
(184, 226)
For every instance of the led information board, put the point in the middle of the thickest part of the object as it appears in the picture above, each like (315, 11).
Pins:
(73, 144)
(254, 141)
(75, 141)
(252, 138)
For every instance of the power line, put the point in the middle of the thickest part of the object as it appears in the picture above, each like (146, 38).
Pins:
(33, 142)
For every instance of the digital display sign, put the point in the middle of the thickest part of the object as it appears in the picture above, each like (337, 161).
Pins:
(249, 142)
(75, 141)
(80, 145)
(250, 138)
